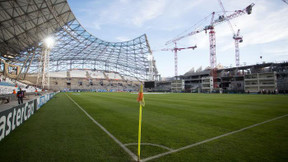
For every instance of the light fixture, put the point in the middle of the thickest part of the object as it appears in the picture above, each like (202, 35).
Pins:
(49, 42)
(8, 56)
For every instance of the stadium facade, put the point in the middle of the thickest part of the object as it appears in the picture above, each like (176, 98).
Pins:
(26, 23)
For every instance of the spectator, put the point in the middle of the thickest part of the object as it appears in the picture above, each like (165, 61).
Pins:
(20, 95)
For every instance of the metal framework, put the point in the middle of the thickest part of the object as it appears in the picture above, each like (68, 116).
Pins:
(24, 25)
(236, 36)
(175, 50)
(43, 73)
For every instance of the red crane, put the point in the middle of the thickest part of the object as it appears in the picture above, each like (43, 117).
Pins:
(175, 50)
(236, 36)
(212, 39)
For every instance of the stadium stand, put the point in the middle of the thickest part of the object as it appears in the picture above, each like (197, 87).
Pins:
(96, 74)
(59, 74)
(78, 74)
(91, 80)
(9, 86)
(6, 89)
(130, 78)
(114, 76)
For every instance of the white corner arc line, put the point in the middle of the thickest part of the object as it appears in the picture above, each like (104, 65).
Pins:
(149, 144)
(106, 131)
(211, 139)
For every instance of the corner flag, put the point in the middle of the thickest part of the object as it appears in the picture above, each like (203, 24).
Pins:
(140, 98)
(141, 101)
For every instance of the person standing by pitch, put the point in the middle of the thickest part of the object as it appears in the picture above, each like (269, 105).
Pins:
(20, 95)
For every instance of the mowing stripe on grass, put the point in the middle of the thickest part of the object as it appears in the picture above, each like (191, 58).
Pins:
(106, 131)
(211, 139)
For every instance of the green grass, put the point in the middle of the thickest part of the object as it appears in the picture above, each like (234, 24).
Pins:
(60, 131)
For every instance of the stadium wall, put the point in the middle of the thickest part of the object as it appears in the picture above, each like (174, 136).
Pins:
(12, 118)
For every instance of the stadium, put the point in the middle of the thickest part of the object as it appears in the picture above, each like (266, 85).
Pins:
(67, 95)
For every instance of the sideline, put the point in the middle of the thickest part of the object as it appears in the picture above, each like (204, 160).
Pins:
(106, 131)
(147, 93)
(211, 139)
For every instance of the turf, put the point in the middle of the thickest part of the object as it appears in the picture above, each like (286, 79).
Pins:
(60, 131)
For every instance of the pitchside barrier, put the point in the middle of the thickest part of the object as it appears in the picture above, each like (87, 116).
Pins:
(14, 117)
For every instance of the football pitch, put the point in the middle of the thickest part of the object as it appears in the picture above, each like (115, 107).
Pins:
(175, 127)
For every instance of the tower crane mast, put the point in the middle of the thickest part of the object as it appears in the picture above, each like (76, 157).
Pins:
(238, 39)
(236, 36)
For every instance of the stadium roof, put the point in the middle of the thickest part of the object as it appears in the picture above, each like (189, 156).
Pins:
(25, 23)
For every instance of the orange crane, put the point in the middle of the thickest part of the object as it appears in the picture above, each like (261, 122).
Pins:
(212, 39)
(236, 36)
(175, 50)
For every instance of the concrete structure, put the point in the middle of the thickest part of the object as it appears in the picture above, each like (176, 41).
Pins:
(260, 82)
(259, 78)
(207, 84)
(177, 85)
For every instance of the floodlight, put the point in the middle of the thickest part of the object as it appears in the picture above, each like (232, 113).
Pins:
(8, 56)
(49, 42)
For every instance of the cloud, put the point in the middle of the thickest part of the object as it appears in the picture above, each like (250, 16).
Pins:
(131, 12)
(264, 25)
(278, 51)
(137, 13)
(178, 8)
(148, 10)
(96, 26)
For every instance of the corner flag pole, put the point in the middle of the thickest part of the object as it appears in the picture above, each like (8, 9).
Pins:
(139, 132)
(141, 101)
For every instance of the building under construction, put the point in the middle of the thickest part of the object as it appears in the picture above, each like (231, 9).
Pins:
(259, 78)
(267, 78)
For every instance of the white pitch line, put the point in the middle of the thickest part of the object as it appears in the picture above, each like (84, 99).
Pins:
(106, 131)
(211, 139)
(150, 144)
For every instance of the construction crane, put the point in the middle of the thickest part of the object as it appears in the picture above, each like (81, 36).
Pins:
(236, 36)
(285, 1)
(238, 39)
(212, 40)
(175, 50)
